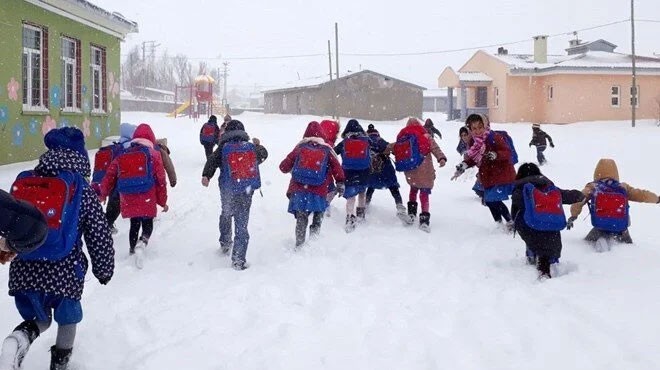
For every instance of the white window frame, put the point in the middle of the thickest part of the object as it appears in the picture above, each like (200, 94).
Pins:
(96, 68)
(617, 96)
(29, 52)
(74, 85)
(551, 92)
(634, 97)
(496, 97)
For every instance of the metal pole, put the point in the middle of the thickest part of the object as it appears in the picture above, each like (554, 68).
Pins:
(330, 59)
(337, 48)
(224, 94)
(633, 91)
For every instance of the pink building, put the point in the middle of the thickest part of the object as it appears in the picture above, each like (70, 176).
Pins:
(590, 83)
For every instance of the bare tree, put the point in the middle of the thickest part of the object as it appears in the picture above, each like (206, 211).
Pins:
(183, 69)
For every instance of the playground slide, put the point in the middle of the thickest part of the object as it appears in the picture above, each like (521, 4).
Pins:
(181, 108)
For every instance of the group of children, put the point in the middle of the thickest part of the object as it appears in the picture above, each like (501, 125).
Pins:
(537, 204)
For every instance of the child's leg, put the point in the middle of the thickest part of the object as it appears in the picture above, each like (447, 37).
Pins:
(66, 335)
(350, 205)
(396, 194)
(226, 212)
(424, 200)
(412, 198)
(362, 205)
(147, 229)
(317, 219)
(241, 206)
(302, 219)
(370, 194)
(133, 232)
(113, 209)
(499, 211)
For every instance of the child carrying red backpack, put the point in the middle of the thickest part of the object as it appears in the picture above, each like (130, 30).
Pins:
(47, 283)
(313, 165)
(413, 150)
(608, 204)
(139, 175)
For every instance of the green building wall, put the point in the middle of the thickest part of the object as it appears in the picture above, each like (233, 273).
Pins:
(21, 133)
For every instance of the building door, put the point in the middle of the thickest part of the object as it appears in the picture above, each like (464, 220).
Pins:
(481, 98)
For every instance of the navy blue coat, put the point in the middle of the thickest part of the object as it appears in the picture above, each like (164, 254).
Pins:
(386, 178)
(21, 223)
(66, 278)
(353, 177)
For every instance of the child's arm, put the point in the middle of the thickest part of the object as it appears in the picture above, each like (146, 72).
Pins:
(339, 148)
(549, 139)
(437, 152)
(640, 195)
(110, 180)
(571, 196)
(212, 163)
(161, 180)
(98, 238)
(576, 208)
(287, 163)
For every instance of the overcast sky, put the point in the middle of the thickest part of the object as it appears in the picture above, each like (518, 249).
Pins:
(211, 29)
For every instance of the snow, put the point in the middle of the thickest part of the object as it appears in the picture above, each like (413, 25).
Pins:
(473, 77)
(591, 59)
(383, 297)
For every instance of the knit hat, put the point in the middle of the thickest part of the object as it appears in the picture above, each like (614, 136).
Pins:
(235, 125)
(371, 129)
(66, 138)
(536, 125)
(213, 119)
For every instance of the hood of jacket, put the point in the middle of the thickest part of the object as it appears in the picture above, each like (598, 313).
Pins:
(144, 131)
(56, 160)
(126, 131)
(606, 169)
(313, 130)
(352, 127)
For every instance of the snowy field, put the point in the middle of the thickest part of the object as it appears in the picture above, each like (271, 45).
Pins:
(384, 297)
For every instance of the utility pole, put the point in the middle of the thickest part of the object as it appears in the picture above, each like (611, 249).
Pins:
(224, 93)
(337, 48)
(633, 91)
(330, 59)
(153, 47)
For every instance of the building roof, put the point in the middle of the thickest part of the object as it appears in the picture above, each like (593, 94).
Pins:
(317, 82)
(591, 60)
(85, 12)
(473, 77)
(157, 91)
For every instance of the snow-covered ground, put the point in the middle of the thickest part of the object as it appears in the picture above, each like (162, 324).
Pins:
(384, 297)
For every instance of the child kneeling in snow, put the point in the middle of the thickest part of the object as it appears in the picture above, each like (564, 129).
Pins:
(313, 165)
(539, 230)
(608, 204)
(48, 283)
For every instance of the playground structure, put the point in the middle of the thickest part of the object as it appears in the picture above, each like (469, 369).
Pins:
(199, 99)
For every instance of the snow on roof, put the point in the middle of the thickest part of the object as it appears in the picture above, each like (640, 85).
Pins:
(434, 93)
(92, 15)
(158, 91)
(125, 94)
(473, 77)
(590, 59)
(316, 82)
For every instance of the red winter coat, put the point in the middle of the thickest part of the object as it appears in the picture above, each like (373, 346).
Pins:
(501, 170)
(313, 135)
(329, 131)
(140, 205)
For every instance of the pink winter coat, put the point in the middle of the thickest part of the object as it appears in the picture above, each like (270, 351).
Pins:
(144, 204)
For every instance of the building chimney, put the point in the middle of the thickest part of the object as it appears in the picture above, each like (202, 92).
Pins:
(502, 51)
(540, 49)
(573, 43)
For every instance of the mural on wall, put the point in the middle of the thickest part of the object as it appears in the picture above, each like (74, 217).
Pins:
(55, 96)
(113, 85)
(17, 134)
(48, 124)
(87, 108)
(85, 125)
(34, 126)
(97, 130)
(109, 107)
(4, 116)
(12, 89)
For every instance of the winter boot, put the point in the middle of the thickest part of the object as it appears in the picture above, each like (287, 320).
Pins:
(412, 213)
(402, 212)
(225, 248)
(543, 267)
(351, 221)
(602, 245)
(302, 218)
(139, 252)
(315, 227)
(59, 358)
(239, 266)
(531, 257)
(361, 214)
(425, 222)
(17, 344)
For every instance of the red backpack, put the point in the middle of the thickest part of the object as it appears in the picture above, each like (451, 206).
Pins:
(311, 166)
(135, 172)
(357, 153)
(208, 134)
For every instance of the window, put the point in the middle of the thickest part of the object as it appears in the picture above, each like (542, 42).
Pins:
(551, 92)
(481, 97)
(99, 89)
(616, 96)
(496, 96)
(71, 93)
(284, 104)
(35, 68)
(634, 96)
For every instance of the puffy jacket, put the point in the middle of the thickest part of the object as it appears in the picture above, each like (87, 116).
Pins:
(499, 171)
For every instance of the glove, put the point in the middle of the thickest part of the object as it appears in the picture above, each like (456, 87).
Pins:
(256, 141)
(461, 167)
(205, 182)
(552, 145)
(569, 223)
(530, 145)
(442, 162)
(491, 156)
(104, 281)
(6, 257)
(340, 189)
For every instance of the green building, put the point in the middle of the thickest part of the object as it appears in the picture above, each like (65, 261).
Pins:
(59, 66)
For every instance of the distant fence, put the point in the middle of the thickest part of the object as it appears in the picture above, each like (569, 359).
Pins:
(138, 105)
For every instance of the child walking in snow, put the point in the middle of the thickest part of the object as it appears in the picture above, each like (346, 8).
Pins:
(313, 165)
(383, 174)
(48, 283)
(209, 135)
(330, 131)
(355, 151)
(608, 204)
(416, 145)
(540, 140)
(238, 160)
(139, 176)
(535, 202)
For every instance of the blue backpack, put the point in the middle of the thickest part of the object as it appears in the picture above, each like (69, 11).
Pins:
(311, 166)
(135, 172)
(357, 153)
(609, 207)
(102, 160)
(509, 141)
(208, 133)
(407, 155)
(544, 209)
(240, 168)
(59, 198)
